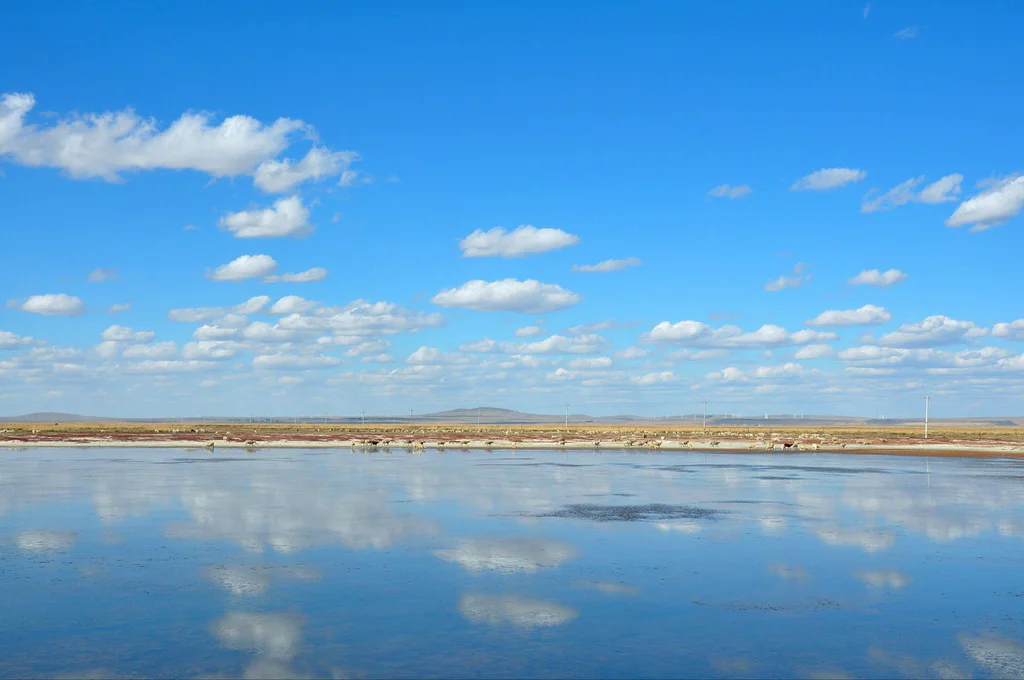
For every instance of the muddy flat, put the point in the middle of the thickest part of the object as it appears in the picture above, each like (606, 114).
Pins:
(395, 563)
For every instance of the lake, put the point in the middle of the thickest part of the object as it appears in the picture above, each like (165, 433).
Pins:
(498, 564)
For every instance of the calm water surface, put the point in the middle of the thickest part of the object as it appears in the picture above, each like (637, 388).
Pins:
(332, 563)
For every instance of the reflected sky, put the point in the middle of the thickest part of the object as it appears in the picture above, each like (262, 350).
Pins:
(337, 563)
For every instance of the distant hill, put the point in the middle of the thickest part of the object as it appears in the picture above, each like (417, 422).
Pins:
(503, 416)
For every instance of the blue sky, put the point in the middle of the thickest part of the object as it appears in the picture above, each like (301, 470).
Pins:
(720, 145)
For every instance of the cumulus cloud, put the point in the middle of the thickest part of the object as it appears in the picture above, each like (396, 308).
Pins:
(999, 202)
(244, 267)
(609, 265)
(942, 190)
(103, 145)
(287, 217)
(783, 282)
(293, 362)
(828, 178)
(309, 276)
(281, 176)
(291, 304)
(529, 331)
(523, 240)
(654, 378)
(874, 277)
(555, 344)
(54, 304)
(590, 362)
(893, 357)
(100, 275)
(727, 191)
(864, 316)
(814, 352)
(700, 334)
(9, 340)
(124, 334)
(508, 295)
(1013, 330)
(932, 331)
(521, 612)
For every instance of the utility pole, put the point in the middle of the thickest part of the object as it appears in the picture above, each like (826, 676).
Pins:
(567, 415)
(927, 398)
(362, 416)
(705, 425)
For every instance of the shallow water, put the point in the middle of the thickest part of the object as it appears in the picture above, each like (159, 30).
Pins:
(332, 563)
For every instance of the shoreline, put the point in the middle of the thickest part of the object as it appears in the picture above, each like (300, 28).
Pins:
(723, 446)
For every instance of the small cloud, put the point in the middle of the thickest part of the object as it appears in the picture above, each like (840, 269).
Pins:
(528, 331)
(287, 217)
(783, 282)
(908, 33)
(1001, 200)
(244, 267)
(336, 218)
(190, 227)
(508, 295)
(57, 304)
(865, 316)
(828, 178)
(308, 276)
(119, 307)
(943, 190)
(874, 277)
(608, 265)
(99, 275)
(867, 10)
(728, 191)
(523, 240)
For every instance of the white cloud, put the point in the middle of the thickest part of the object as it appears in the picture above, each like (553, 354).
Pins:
(632, 353)
(783, 282)
(106, 144)
(727, 191)
(119, 307)
(998, 203)
(508, 295)
(124, 334)
(590, 362)
(1014, 330)
(528, 331)
(907, 33)
(699, 334)
(555, 344)
(828, 178)
(99, 275)
(288, 362)
(288, 217)
(814, 352)
(943, 190)
(863, 316)
(522, 612)
(608, 265)
(655, 378)
(9, 340)
(873, 277)
(57, 304)
(157, 350)
(523, 240)
(291, 304)
(933, 330)
(244, 267)
(309, 276)
(281, 176)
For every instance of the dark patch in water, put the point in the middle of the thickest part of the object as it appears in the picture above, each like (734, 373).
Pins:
(818, 605)
(776, 478)
(630, 513)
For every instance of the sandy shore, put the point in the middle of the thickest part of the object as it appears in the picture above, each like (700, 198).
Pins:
(398, 444)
